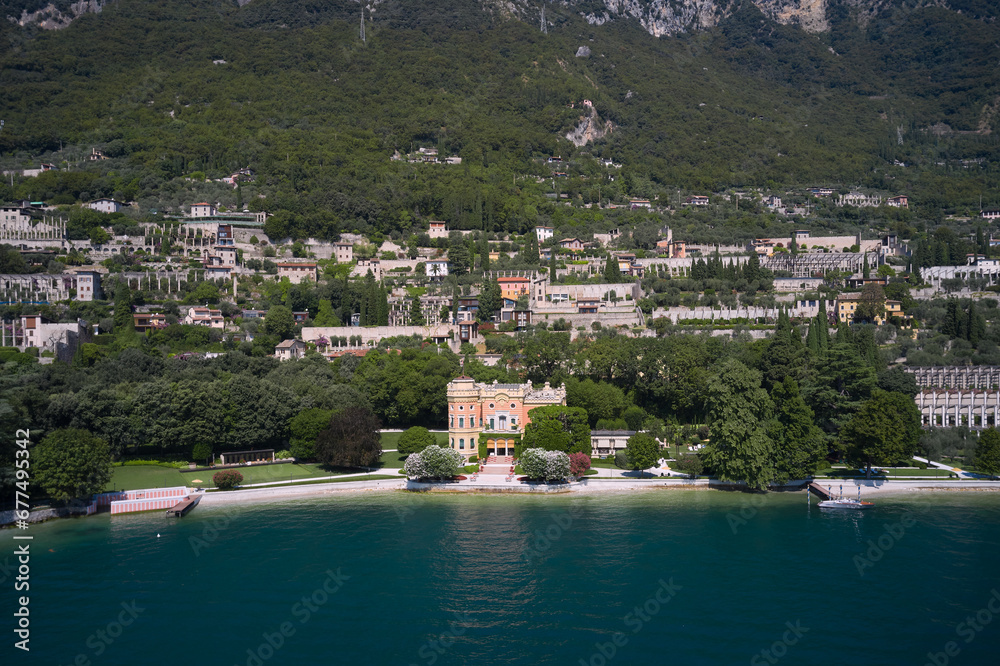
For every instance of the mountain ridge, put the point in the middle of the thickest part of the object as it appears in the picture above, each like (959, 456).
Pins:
(659, 18)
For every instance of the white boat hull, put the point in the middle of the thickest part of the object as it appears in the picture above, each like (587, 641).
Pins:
(848, 504)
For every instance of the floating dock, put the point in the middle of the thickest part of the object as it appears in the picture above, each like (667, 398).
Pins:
(185, 505)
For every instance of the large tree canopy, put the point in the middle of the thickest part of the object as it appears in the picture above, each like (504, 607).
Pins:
(741, 449)
(558, 428)
(71, 464)
(885, 430)
(351, 439)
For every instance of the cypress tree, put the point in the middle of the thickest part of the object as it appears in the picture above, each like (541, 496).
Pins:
(812, 337)
(824, 329)
(612, 274)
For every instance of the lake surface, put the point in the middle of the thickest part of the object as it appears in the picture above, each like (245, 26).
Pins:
(687, 577)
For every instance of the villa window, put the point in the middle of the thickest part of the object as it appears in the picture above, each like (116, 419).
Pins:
(472, 421)
(513, 406)
(461, 422)
(453, 423)
(461, 443)
(452, 442)
(491, 424)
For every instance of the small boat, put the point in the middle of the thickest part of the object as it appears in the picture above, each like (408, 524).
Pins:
(845, 503)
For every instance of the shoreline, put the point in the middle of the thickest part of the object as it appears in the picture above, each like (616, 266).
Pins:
(587, 486)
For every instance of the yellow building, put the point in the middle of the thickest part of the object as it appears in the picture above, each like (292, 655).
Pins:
(847, 306)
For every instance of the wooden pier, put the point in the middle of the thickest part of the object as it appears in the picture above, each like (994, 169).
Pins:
(820, 491)
(181, 508)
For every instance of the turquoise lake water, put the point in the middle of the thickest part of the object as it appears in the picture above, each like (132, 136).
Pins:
(686, 577)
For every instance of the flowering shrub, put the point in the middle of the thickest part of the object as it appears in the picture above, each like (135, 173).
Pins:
(227, 479)
(579, 463)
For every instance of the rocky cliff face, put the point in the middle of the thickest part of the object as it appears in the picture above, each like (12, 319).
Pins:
(670, 17)
(51, 17)
(658, 17)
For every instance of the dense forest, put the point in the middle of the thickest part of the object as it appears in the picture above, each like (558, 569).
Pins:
(180, 92)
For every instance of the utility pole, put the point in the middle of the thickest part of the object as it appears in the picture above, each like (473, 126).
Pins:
(545, 28)
(363, 41)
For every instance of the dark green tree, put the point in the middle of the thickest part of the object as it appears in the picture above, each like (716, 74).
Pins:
(305, 428)
(71, 464)
(557, 428)
(279, 322)
(352, 439)
(612, 273)
(741, 449)
(642, 450)
(885, 430)
(799, 445)
(415, 440)
(988, 452)
(416, 314)
(490, 300)
(123, 308)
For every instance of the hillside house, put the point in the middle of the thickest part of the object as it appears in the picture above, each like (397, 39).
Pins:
(286, 350)
(199, 316)
(697, 200)
(297, 271)
(203, 210)
(436, 268)
(438, 229)
(514, 287)
(572, 244)
(105, 205)
(149, 321)
(544, 233)
(343, 252)
(901, 201)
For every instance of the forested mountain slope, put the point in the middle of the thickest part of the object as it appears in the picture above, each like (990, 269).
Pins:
(167, 88)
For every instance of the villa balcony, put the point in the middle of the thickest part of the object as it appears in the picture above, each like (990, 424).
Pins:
(510, 430)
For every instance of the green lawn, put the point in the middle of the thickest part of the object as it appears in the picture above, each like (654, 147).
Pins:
(265, 473)
(132, 477)
(391, 460)
(371, 477)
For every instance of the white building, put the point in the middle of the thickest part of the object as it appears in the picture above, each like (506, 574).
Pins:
(859, 200)
(205, 317)
(286, 350)
(437, 268)
(544, 233)
(105, 205)
(343, 253)
(203, 210)
(297, 271)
